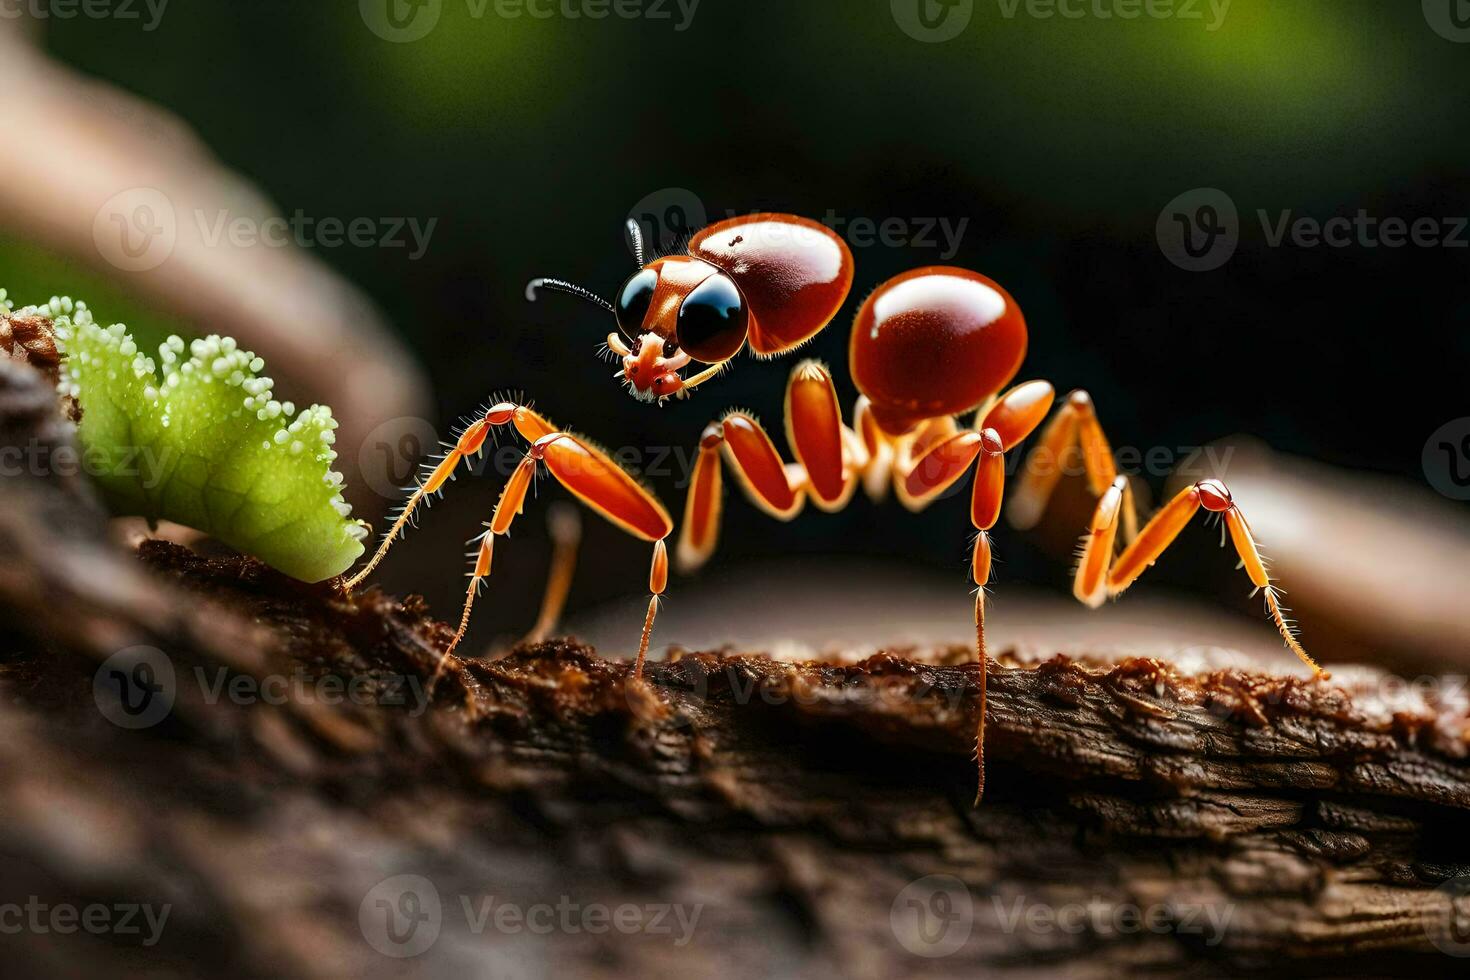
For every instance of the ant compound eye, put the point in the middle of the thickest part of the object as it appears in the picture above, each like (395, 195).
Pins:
(670, 348)
(713, 320)
(633, 301)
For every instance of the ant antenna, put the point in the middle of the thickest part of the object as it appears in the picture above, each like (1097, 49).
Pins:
(635, 233)
(558, 285)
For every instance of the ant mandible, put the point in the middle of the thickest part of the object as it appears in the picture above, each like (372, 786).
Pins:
(927, 347)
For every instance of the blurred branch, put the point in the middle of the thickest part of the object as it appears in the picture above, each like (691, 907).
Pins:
(75, 144)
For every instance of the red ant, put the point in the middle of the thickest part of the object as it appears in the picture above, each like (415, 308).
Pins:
(927, 346)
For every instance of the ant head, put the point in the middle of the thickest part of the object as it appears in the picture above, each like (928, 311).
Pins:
(676, 310)
(672, 311)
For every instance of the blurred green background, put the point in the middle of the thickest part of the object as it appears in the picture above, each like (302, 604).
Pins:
(1060, 140)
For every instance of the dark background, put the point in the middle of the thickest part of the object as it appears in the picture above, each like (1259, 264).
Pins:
(1059, 140)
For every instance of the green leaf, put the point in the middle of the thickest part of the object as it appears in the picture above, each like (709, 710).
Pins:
(205, 443)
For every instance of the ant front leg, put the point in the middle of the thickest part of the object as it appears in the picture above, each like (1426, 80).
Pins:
(589, 473)
(829, 457)
(531, 427)
(605, 487)
(1074, 425)
(1100, 576)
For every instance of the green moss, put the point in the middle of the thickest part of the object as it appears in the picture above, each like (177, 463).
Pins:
(204, 442)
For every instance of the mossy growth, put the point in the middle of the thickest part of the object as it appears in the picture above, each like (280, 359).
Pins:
(205, 443)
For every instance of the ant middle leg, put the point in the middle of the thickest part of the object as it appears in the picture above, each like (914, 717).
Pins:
(1075, 425)
(829, 457)
(1006, 423)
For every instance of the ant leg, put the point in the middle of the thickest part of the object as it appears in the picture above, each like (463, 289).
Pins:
(593, 478)
(565, 525)
(936, 460)
(878, 448)
(512, 501)
(531, 427)
(940, 452)
(1091, 586)
(1006, 423)
(658, 581)
(469, 442)
(1017, 413)
(1090, 583)
(985, 500)
(704, 503)
(828, 458)
(980, 571)
(914, 446)
(606, 488)
(1075, 424)
(599, 483)
(819, 440)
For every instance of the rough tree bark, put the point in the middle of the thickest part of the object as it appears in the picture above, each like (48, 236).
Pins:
(816, 818)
